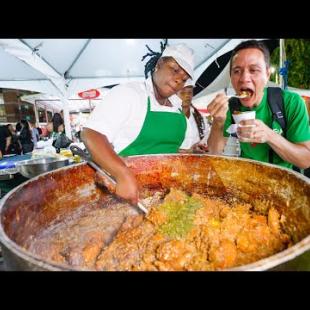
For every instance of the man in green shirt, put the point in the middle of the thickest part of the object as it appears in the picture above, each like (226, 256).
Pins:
(250, 72)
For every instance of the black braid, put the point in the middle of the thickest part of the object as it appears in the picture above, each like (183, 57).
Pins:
(150, 65)
(199, 121)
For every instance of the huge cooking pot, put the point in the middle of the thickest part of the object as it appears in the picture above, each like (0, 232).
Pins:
(33, 205)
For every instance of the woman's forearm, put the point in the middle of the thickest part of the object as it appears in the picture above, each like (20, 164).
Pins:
(102, 152)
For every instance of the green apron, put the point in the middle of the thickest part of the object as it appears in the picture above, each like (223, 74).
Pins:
(161, 133)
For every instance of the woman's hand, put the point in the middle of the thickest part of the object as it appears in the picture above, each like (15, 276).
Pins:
(127, 187)
(197, 148)
(200, 148)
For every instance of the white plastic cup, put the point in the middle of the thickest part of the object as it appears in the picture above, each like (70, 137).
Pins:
(244, 116)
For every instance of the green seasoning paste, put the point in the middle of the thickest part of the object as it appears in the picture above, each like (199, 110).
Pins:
(180, 217)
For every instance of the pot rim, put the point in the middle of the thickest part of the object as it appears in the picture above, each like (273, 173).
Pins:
(266, 263)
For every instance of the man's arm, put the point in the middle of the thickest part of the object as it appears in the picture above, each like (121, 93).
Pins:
(297, 154)
(217, 109)
(103, 154)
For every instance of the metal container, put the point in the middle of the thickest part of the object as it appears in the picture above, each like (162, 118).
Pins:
(36, 203)
(33, 167)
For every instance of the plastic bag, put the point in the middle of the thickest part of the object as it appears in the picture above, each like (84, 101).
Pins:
(62, 141)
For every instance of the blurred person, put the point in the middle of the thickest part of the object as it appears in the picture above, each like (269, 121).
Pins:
(15, 146)
(34, 133)
(5, 139)
(25, 137)
(197, 126)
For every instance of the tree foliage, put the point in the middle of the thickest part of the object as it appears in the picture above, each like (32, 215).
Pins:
(298, 54)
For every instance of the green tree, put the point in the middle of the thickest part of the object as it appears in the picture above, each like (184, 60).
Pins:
(298, 54)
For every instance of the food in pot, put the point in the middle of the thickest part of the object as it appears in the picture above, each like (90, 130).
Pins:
(181, 232)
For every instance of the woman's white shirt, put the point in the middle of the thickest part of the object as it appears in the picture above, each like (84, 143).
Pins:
(121, 114)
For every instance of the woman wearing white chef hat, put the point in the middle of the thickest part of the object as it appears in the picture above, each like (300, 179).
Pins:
(197, 126)
(141, 117)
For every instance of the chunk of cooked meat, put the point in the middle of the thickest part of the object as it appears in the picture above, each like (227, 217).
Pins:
(127, 249)
(174, 255)
(223, 255)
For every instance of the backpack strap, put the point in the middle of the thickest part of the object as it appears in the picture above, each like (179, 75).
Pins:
(275, 101)
(276, 104)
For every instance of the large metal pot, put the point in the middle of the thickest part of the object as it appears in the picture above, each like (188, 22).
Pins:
(54, 195)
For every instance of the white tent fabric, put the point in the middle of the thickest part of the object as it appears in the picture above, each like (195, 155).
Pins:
(64, 67)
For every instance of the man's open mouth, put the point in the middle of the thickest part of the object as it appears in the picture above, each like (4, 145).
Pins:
(246, 93)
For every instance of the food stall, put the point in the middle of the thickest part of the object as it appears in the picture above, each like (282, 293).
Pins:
(204, 212)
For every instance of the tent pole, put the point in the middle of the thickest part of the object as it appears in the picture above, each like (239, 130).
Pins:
(36, 113)
(66, 117)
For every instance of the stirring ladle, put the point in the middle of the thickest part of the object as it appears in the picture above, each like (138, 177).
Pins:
(78, 151)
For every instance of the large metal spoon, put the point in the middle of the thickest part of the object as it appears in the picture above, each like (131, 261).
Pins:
(78, 151)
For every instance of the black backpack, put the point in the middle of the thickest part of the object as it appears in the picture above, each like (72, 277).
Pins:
(276, 104)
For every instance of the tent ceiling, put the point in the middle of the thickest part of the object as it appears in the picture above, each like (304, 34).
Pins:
(59, 53)
(73, 65)
(110, 57)
(13, 68)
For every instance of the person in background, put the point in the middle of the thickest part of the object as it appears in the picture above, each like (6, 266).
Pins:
(34, 133)
(15, 146)
(57, 121)
(141, 117)
(250, 72)
(60, 140)
(5, 139)
(196, 125)
(25, 137)
(39, 129)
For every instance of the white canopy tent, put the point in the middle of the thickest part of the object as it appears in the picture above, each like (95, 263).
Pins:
(64, 67)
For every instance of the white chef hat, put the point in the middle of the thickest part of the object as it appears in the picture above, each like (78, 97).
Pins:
(183, 55)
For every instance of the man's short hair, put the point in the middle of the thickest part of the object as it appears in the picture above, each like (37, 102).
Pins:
(251, 44)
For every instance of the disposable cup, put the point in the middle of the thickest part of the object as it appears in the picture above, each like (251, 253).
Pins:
(243, 116)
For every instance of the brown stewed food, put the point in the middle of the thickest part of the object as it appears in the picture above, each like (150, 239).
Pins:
(181, 232)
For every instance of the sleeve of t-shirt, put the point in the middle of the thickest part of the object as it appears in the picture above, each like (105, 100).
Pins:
(298, 129)
(113, 112)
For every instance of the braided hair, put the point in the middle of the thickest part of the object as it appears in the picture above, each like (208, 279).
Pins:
(199, 121)
(150, 65)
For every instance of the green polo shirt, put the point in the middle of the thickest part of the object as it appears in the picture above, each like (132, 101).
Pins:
(297, 126)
